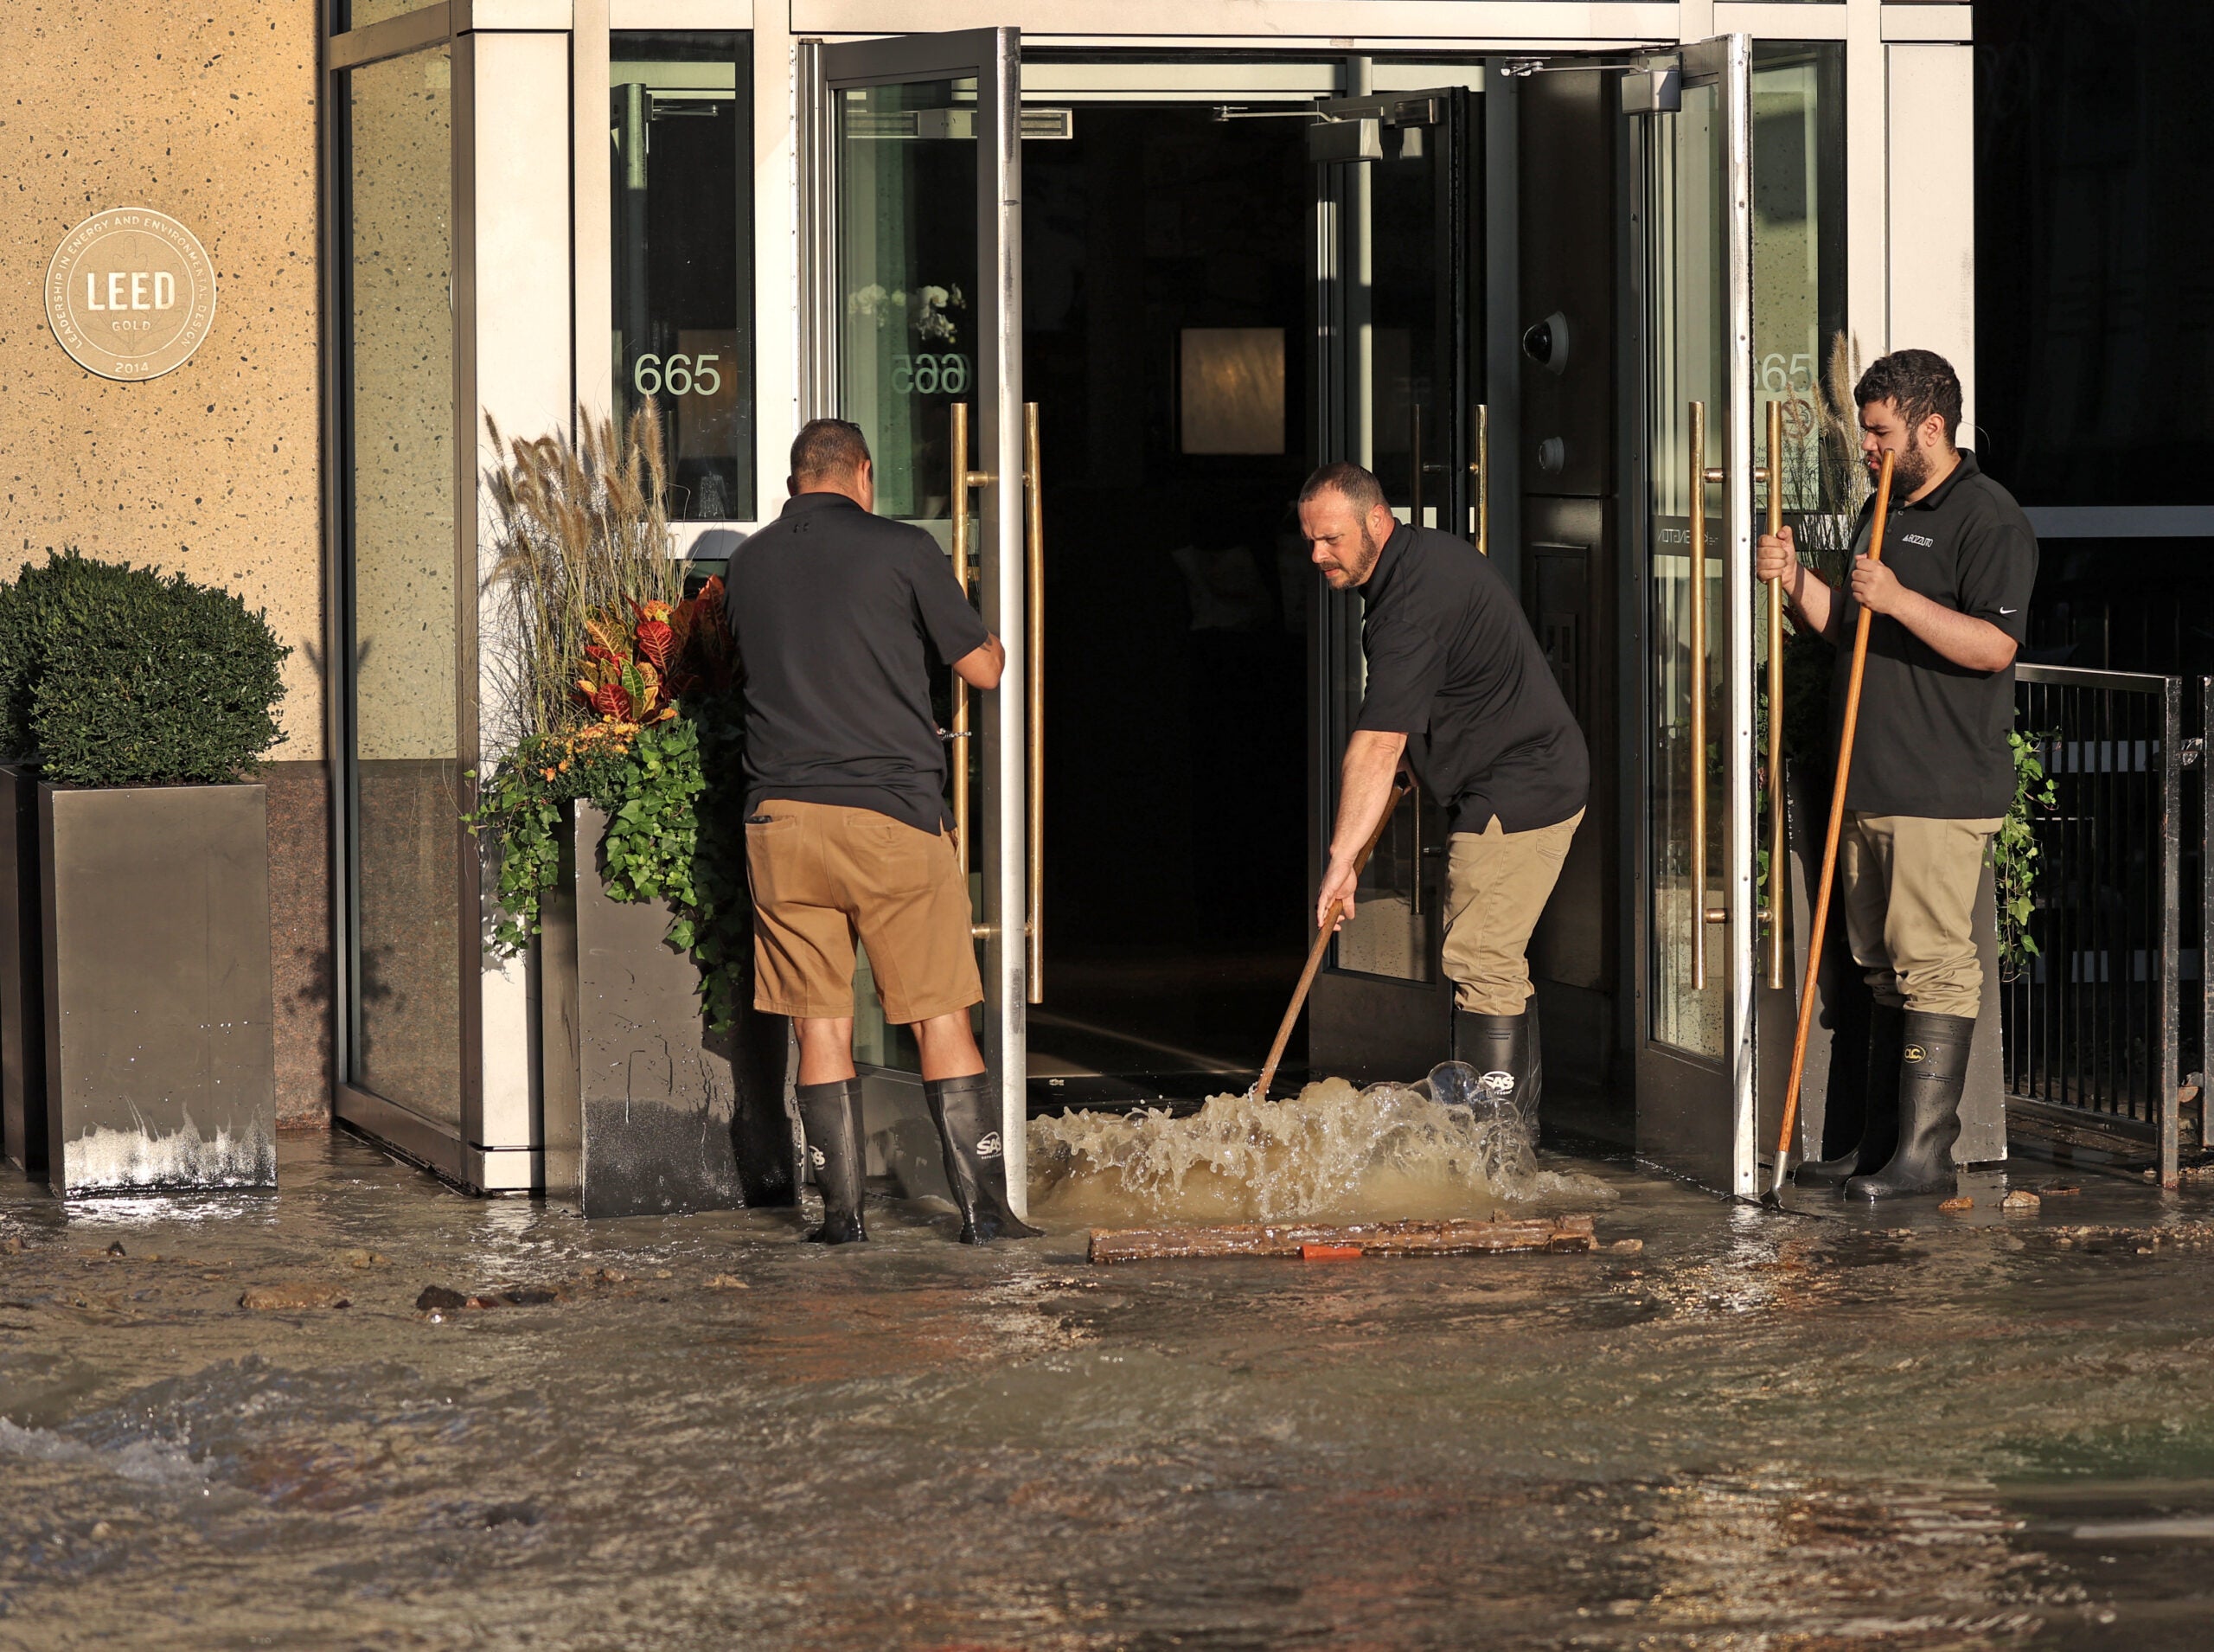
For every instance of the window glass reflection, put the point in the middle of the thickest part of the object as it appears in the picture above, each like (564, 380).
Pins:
(681, 119)
(405, 837)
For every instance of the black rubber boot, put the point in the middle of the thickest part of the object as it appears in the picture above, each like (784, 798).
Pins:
(1933, 1071)
(966, 1112)
(1506, 1051)
(1879, 1118)
(831, 1115)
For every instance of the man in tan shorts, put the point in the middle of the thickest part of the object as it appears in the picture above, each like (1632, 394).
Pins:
(838, 615)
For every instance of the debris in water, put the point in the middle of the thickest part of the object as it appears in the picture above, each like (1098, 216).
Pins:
(442, 1299)
(116, 1249)
(2058, 1190)
(1330, 1252)
(727, 1282)
(2020, 1198)
(1358, 1239)
(279, 1298)
(1442, 1149)
(1959, 1201)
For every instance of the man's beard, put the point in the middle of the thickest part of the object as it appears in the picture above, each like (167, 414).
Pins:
(1910, 469)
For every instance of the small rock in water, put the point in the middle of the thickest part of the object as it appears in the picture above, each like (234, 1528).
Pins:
(360, 1259)
(116, 1249)
(732, 1282)
(2020, 1198)
(2058, 1189)
(11, 1246)
(278, 1298)
(439, 1298)
(1627, 1248)
(1959, 1201)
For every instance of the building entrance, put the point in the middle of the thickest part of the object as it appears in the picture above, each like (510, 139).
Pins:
(1524, 299)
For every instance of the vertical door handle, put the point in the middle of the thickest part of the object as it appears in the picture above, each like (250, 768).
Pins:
(1775, 707)
(1700, 477)
(1480, 467)
(963, 479)
(1033, 518)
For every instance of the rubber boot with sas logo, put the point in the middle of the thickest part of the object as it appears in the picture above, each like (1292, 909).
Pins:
(966, 1112)
(1879, 1118)
(1507, 1053)
(831, 1115)
(1933, 1071)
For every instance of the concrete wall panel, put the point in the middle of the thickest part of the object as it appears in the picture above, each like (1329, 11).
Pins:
(208, 114)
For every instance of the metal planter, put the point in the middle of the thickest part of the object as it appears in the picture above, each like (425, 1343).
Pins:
(160, 1067)
(22, 979)
(664, 1115)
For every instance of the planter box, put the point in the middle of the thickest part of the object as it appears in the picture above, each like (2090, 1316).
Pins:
(664, 1116)
(22, 984)
(160, 1055)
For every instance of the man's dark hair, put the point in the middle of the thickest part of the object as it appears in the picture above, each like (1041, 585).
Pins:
(828, 447)
(1921, 382)
(1361, 488)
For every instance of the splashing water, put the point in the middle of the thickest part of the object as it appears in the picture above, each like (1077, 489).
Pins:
(1445, 1147)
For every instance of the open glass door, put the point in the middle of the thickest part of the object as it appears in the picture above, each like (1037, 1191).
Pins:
(911, 307)
(1398, 384)
(1697, 913)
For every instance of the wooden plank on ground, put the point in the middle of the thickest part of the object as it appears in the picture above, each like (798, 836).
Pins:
(1455, 1237)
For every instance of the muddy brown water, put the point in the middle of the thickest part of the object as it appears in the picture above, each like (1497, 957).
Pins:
(1768, 1431)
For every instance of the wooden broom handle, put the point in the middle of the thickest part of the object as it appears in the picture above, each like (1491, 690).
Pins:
(1322, 940)
(1829, 836)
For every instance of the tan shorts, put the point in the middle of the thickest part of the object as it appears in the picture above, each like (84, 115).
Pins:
(1910, 884)
(1497, 884)
(823, 874)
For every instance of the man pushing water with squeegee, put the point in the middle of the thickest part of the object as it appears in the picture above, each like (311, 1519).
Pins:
(1931, 775)
(1459, 692)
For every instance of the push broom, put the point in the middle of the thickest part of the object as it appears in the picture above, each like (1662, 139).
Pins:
(1829, 845)
(1399, 789)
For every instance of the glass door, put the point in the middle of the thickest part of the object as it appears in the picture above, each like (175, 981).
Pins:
(911, 307)
(1398, 389)
(1696, 909)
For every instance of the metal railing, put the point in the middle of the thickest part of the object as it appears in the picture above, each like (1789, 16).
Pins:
(2093, 1019)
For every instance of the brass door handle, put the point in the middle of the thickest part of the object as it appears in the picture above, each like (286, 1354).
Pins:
(1480, 467)
(960, 480)
(1775, 475)
(1699, 477)
(1034, 523)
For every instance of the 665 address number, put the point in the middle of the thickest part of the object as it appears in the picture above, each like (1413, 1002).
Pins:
(681, 375)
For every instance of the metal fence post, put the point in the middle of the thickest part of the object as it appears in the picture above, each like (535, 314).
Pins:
(2171, 1005)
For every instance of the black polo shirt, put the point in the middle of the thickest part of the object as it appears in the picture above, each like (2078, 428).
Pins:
(1932, 737)
(837, 615)
(1455, 667)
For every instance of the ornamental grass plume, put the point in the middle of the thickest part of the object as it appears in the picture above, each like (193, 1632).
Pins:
(581, 534)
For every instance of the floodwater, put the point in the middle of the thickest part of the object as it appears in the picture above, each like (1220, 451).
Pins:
(1802, 1430)
(1332, 1153)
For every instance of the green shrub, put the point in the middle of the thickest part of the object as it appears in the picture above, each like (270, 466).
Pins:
(141, 681)
(41, 606)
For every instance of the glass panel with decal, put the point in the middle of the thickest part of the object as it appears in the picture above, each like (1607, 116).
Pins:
(906, 247)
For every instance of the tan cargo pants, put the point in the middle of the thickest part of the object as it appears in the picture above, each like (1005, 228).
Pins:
(1910, 889)
(1497, 884)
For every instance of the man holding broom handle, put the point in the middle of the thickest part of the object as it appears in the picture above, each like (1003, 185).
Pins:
(1458, 690)
(1932, 774)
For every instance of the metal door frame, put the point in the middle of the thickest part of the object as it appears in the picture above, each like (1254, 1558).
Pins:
(1401, 1014)
(1683, 1095)
(993, 58)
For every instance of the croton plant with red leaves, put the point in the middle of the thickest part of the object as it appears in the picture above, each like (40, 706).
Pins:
(636, 673)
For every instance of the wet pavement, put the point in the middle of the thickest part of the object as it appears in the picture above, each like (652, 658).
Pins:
(1915, 1429)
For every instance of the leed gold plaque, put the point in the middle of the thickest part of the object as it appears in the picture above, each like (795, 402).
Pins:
(130, 293)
